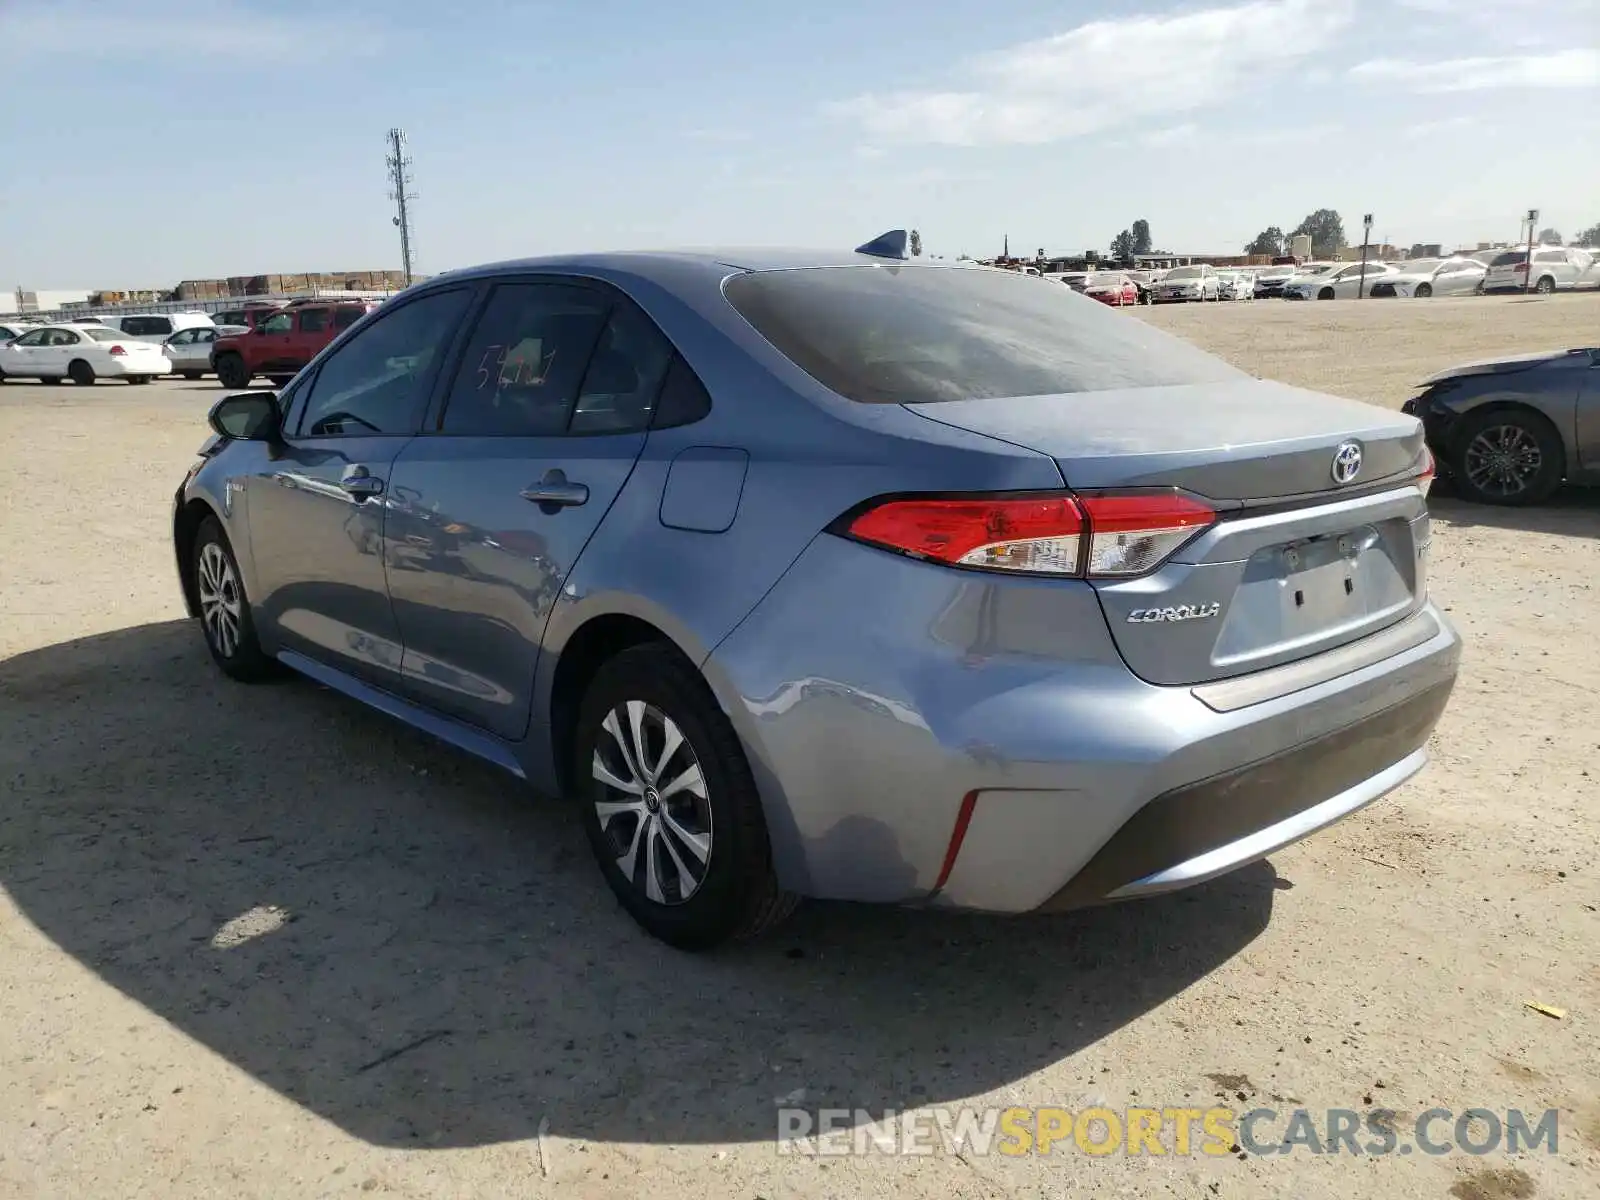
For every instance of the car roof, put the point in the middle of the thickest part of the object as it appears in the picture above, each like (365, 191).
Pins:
(664, 266)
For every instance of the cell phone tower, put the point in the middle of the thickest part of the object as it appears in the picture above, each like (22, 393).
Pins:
(399, 162)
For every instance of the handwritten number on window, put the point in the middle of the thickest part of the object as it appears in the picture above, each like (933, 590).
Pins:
(518, 371)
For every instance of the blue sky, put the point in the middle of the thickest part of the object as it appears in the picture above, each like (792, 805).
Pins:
(147, 143)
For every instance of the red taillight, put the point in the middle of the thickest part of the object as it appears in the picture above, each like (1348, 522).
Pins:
(117, 352)
(1521, 268)
(1055, 534)
(1427, 463)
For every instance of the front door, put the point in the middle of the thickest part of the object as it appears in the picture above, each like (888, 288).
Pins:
(315, 505)
(27, 353)
(60, 347)
(1589, 414)
(273, 341)
(492, 506)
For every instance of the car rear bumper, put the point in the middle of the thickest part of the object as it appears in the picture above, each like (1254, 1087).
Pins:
(979, 743)
(155, 364)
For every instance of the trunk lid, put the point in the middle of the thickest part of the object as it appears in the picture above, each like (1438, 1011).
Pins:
(1298, 563)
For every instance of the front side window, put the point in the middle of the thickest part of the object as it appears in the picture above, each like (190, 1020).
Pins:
(377, 383)
(526, 361)
(182, 338)
(313, 320)
(278, 323)
(923, 334)
(39, 337)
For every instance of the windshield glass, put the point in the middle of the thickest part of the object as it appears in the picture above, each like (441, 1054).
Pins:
(1178, 274)
(101, 334)
(914, 335)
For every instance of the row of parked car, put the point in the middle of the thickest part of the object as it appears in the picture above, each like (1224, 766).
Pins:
(236, 346)
(1552, 269)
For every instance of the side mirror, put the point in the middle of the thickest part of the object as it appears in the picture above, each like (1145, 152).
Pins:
(248, 417)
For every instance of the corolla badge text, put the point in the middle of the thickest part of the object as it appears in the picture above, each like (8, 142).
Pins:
(1178, 612)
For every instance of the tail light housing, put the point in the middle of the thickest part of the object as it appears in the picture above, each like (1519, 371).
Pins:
(1520, 269)
(1103, 536)
(116, 352)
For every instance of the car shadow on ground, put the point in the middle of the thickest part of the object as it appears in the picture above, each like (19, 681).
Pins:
(402, 942)
(1571, 512)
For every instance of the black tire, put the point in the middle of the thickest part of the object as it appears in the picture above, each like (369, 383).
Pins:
(1424, 290)
(737, 895)
(192, 374)
(80, 372)
(1325, 294)
(138, 380)
(1545, 286)
(231, 371)
(1523, 434)
(1480, 290)
(244, 660)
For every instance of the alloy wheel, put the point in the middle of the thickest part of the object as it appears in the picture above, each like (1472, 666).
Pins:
(220, 601)
(1503, 460)
(652, 806)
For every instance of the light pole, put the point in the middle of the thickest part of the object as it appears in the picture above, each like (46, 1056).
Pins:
(1366, 238)
(1527, 279)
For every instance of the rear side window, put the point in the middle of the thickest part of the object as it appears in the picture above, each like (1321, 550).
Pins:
(526, 361)
(1559, 256)
(313, 320)
(343, 318)
(146, 326)
(918, 335)
(624, 375)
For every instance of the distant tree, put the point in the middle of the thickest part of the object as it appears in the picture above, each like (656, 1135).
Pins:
(1590, 236)
(1326, 231)
(1141, 236)
(1268, 241)
(916, 243)
(1549, 237)
(1122, 246)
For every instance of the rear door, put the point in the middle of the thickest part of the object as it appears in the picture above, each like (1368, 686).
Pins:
(1589, 414)
(313, 329)
(491, 507)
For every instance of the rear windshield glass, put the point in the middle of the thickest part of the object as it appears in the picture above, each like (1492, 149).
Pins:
(101, 334)
(1507, 260)
(915, 335)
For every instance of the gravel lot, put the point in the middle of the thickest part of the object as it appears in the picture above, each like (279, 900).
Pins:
(259, 942)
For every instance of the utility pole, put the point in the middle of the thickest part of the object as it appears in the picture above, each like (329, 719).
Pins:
(1527, 279)
(1366, 238)
(399, 163)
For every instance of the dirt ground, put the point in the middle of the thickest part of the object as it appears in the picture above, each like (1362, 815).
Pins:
(260, 942)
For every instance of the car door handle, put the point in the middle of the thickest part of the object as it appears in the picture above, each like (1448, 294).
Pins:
(359, 482)
(555, 491)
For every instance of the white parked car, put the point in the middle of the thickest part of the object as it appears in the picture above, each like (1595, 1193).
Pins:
(1424, 277)
(190, 349)
(156, 327)
(1555, 269)
(1236, 284)
(83, 354)
(1336, 282)
(1188, 283)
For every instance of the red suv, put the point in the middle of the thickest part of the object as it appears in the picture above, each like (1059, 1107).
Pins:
(284, 342)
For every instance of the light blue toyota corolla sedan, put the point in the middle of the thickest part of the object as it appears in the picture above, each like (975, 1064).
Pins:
(839, 575)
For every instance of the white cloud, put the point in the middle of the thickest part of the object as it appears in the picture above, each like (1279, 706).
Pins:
(1428, 129)
(1175, 135)
(223, 35)
(1104, 74)
(1576, 68)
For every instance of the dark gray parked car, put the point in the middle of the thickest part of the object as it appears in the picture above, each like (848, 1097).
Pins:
(837, 575)
(1510, 430)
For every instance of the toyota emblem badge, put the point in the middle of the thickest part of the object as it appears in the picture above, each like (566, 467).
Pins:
(1347, 462)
